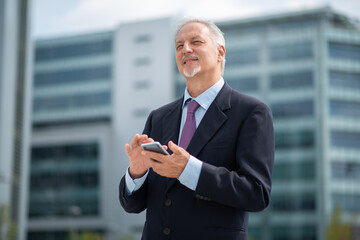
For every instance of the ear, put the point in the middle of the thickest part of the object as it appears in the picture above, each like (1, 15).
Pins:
(221, 53)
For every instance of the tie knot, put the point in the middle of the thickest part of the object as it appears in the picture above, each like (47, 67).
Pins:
(192, 106)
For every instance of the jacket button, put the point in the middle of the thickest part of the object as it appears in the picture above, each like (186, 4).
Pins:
(168, 202)
(166, 231)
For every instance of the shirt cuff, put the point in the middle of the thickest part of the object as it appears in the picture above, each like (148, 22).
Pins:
(190, 176)
(133, 184)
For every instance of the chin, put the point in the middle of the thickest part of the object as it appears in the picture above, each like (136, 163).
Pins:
(191, 73)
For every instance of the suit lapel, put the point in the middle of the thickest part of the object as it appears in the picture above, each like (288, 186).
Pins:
(212, 121)
(171, 123)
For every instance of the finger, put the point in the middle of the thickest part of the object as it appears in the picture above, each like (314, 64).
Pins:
(175, 148)
(154, 164)
(153, 156)
(149, 140)
(127, 149)
(143, 137)
(134, 141)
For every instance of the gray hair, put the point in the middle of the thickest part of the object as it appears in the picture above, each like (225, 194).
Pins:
(216, 34)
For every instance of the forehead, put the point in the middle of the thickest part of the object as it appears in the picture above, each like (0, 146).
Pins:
(191, 30)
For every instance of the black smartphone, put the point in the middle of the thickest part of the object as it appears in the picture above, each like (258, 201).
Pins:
(154, 147)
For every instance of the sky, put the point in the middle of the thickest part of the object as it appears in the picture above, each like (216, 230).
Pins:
(51, 18)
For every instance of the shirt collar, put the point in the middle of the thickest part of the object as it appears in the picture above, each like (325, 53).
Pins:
(206, 98)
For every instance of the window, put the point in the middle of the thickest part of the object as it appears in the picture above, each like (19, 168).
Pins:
(290, 202)
(244, 83)
(344, 50)
(64, 176)
(345, 139)
(71, 102)
(73, 76)
(291, 232)
(348, 202)
(142, 61)
(239, 57)
(304, 108)
(291, 51)
(344, 79)
(344, 108)
(285, 140)
(73, 50)
(288, 171)
(345, 170)
(291, 80)
(142, 84)
(143, 38)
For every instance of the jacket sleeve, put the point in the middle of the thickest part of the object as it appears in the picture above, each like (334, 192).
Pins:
(136, 202)
(248, 186)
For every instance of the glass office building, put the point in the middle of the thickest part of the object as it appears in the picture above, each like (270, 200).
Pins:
(306, 67)
(72, 90)
(88, 101)
(93, 92)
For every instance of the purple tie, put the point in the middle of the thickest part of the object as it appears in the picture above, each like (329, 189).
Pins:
(190, 124)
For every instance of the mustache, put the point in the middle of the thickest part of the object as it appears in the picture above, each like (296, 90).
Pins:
(190, 55)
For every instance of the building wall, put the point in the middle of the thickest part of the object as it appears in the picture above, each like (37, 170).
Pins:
(144, 80)
(93, 89)
(15, 114)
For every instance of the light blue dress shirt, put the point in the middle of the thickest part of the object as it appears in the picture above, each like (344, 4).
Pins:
(191, 173)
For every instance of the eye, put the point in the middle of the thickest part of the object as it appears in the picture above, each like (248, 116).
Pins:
(179, 46)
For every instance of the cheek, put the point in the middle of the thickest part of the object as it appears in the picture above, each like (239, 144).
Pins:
(178, 60)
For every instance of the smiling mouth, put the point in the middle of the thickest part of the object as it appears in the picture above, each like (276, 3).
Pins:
(189, 60)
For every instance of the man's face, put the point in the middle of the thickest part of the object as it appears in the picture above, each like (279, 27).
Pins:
(196, 53)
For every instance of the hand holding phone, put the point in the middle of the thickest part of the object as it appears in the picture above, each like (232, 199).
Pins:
(154, 147)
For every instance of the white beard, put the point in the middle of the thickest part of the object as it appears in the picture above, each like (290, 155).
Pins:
(192, 73)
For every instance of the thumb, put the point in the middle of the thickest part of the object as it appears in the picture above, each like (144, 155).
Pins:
(175, 148)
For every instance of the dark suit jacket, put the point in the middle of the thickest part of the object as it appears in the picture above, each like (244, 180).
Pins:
(235, 141)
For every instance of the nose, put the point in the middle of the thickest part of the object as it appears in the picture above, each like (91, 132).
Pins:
(187, 48)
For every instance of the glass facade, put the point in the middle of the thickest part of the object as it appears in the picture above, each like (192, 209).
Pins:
(242, 84)
(64, 178)
(345, 139)
(340, 50)
(73, 79)
(297, 139)
(82, 49)
(303, 108)
(77, 101)
(345, 108)
(293, 202)
(288, 232)
(349, 170)
(294, 171)
(290, 51)
(349, 202)
(64, 235)
(291, 80)
(344, 79)
(241, 57)
(72, 76)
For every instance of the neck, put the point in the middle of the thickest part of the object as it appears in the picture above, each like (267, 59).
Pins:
(198, 84)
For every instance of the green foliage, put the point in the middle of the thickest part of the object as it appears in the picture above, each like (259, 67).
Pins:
(337, 230)
(85, 236)
(127, 237)
(8, 229)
